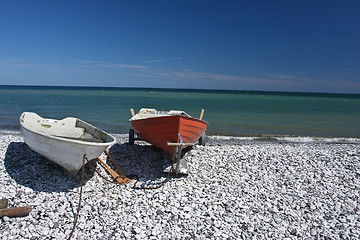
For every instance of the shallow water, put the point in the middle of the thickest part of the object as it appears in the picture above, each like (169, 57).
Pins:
(236, 113)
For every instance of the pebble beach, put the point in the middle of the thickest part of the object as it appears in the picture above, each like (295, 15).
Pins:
(237, 188)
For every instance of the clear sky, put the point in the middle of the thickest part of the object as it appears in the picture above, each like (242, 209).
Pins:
(306, 46)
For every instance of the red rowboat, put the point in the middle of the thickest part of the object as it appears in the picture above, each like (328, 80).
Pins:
(162, 127)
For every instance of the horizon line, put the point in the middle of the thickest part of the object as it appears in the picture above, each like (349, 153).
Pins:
(186, 89)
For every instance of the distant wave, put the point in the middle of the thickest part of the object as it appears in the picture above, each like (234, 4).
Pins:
(295, 139)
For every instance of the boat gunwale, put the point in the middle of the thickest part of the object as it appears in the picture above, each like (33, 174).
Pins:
(168, 116)
(161, 142)
(69, 140)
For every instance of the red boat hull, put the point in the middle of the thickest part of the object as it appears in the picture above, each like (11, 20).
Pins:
(160, 130)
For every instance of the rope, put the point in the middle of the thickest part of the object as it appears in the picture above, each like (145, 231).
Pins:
(80, 197)
(118, 168)
(161, 184)
(92, 166)
(134, 187)
(78, 208)
(170, 171)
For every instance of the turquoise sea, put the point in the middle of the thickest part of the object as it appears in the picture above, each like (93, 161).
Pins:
(234, 113)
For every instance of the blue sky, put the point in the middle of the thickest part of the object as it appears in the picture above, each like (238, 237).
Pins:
(306, 46)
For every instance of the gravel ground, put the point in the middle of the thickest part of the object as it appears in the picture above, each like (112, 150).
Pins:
(236, 189)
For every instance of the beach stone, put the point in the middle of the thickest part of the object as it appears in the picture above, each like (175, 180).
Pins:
(237, 189)
(217, 234)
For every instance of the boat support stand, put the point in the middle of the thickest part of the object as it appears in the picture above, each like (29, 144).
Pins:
(180, 164)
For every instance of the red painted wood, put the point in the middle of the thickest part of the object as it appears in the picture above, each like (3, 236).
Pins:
(160, 130)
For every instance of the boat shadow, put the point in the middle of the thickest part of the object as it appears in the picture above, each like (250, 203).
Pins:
(142, 162)
(34, 171)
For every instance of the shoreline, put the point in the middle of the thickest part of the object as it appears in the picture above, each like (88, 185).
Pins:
(265, 137)
(258, 114)
(237, 188)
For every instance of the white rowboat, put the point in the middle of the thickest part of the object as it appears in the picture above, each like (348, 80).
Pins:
(65, 141)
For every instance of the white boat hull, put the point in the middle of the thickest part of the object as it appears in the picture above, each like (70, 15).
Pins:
(63, 147)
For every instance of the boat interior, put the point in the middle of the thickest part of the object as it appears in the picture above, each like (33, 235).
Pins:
(151, 113)
(70, 128)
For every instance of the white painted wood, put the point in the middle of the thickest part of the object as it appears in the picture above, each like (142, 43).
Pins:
(64, 141)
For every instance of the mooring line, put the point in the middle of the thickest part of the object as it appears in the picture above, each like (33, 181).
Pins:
(158, 186)
(134, 187)
(79, 204)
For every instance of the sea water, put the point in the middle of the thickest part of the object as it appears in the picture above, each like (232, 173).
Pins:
(232, 113)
